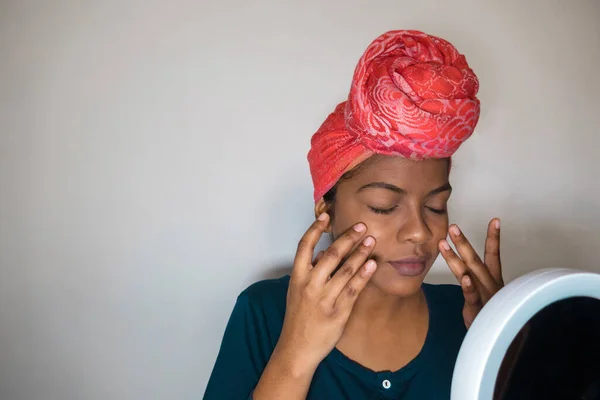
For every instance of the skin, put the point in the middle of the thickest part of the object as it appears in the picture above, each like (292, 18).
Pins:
(350, 297)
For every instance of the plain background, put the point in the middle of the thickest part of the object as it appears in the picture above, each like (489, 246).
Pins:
(153, 164)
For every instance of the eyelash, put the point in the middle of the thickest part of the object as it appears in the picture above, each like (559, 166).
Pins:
(391, 210)
(437, 211)
(384, 212)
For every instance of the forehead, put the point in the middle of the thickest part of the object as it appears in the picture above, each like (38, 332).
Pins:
(402, 172)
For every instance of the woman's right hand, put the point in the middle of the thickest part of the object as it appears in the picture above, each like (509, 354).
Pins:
(319, 304)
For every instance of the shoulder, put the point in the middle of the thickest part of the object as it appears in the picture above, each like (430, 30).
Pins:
(268, 296)
(268, 289)
(251, 335)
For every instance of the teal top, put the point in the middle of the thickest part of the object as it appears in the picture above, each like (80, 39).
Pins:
(255, 325)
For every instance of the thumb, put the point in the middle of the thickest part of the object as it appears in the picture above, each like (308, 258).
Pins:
(472, 300)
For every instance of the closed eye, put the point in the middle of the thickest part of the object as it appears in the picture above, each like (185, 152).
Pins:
(437, 211)
(383, 211)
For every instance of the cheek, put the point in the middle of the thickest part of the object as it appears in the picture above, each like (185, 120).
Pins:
(439, 226)
(347, 215)
(382, 232)
(379, 228)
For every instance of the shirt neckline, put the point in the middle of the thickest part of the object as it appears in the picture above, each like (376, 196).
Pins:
(403, 374)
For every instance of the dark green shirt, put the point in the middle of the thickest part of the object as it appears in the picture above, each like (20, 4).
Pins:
(255, 325)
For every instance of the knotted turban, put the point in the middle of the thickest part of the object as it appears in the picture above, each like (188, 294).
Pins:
(412, 95)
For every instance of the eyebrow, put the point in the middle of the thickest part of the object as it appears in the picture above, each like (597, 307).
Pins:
(388, 186)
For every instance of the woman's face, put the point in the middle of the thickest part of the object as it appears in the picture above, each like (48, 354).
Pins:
(403, 204)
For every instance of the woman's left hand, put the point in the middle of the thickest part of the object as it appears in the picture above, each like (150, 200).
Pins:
(479, 280)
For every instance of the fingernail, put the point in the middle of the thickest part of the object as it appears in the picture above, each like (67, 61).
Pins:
(370, 266)
(497, 224)
(467, 281)
(454, 229)
(445, 245)
(369, 241)
(359, 227)
(322, 217)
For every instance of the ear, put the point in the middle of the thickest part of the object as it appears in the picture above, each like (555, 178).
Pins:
(320, 208)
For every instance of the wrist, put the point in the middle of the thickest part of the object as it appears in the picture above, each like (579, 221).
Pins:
(293, 362)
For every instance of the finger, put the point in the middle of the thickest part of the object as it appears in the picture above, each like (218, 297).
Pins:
(471, 259)
(473, 303)
(318, 257)
(456, 265)
(306, 246)
(335, 253)
(354, 287)
(492, 250)
(472, 296)
(340, 278)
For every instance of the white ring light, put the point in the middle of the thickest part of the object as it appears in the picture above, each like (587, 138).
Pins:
(494, 329)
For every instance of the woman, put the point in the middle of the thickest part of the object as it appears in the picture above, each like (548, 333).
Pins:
(357, 321)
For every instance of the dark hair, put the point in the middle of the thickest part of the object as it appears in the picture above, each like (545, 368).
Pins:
(329, 197)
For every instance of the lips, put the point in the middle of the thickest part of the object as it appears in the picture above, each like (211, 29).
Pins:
(413, 266)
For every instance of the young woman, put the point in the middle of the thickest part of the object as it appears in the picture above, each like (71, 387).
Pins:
(357, 321)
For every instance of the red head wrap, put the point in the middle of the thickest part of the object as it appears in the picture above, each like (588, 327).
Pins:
(413, 95)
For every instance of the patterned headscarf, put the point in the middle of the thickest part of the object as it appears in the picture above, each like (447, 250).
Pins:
(413, 95)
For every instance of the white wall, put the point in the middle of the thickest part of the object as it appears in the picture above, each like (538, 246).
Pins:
(153, 164)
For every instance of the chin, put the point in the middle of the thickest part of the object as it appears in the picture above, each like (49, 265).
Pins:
(393, 283)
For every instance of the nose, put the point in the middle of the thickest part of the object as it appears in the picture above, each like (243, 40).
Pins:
(414, 229)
